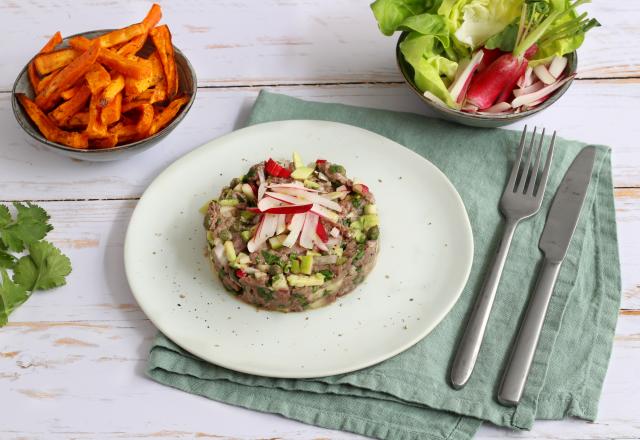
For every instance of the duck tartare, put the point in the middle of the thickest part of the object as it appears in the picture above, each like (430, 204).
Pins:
(290, 236)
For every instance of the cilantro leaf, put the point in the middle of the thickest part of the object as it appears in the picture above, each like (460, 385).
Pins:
(30, 226)
(6, 260)
(44, 268)
(11, 296)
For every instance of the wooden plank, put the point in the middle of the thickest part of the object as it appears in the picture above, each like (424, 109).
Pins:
(63, 378)
(92, 235)
(596, 111)
(302, 42)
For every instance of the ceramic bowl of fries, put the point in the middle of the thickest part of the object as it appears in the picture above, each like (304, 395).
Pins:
(107, 94)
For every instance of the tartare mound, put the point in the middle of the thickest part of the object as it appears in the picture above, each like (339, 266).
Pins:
(288, 236)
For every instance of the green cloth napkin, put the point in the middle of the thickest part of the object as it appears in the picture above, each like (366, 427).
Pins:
(408, 396)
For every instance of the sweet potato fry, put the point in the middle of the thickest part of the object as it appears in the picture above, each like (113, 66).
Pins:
(69, 93)
(133, 46)
(135, 67)
(44, 82)
(159, 93)
(51, 44)
(112, 90)
(67, 77)
(128, 106)
(69, 108)
(118, 36)
(111, 113)
(95, 128)
(133, 86)
(146, 120)
(162, 40)
(126, 132)
(97, 78)
(167, 114)
(48, 62)
(48, 129)
(77, 122)
(109, 141)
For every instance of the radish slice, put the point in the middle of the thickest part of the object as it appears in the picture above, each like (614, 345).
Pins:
(252, 245)
(500, 107)
(557, 66)
(308, 233)
(218, 252)
(336, 195)
(535, 96)
(543, 74)
(532, 88)
(318, 242)
(262, 188)
(286, 198)
(469, 108)
(268, 229)
(459, 85)
(335, 232)
(342, 188)
(308, 197)
(269, 202)
(325, 213)
(282, 224)
(289, 209)
(527, 79)
(292, 185)
(433, 98)
(297, 221)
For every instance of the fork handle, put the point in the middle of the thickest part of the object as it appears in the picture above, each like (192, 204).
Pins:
(515, 376)
(471, 341)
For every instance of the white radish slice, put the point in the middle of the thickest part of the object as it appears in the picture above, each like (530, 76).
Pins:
(308, 230)
(321, 245)
(337, 195)
(270, 202)
(526, 79)
(268, 229)
(297, 221)
(252, 245)
(557, 66)
(332, 242)
(469, 108)
(262, 187)
(282, 224)
(309, 197)
(292, 185)
(543, 74)
(342, 188)
(457, 87)
(287, 198)
(433, 98)
(526, 90)
(533, 97)
(335, 232)
(500, 107)
(218, 252)
(324, 213)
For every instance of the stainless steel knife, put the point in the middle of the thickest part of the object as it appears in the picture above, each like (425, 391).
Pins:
(554, 242)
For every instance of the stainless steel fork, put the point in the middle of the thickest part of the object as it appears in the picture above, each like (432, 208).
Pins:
(521, 199)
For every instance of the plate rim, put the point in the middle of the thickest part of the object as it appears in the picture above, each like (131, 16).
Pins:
(468, 260)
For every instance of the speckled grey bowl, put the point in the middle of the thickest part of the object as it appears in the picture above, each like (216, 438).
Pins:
(187, 85)
(474, 120)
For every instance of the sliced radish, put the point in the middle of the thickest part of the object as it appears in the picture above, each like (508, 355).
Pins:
(252, 245)
(262, 188)
(527, 79)
(469, 108)
(308, 197)
(286, 198)
(325, 213)
(433, 98)
(269, 202)
(461, 83)
(342, 188)
(293, 185)
(297, 221)
(321, 245)
(335, 232)
(526, 90)
(322, 232)
(269, 227)
(533, 97)
(557, 66)
(282, 224)
(218, 252)
(500, 107)
(308, 230)
(336, 195)
(543, 74)
(291, 209)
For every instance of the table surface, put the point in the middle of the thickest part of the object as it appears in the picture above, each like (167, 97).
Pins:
(72, 361)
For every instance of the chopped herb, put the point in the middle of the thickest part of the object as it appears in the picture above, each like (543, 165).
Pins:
(360, 253)
(356, 202)
(293, 256)
(337, 169)
(265, 294)
(327, 274)
(301, 299)
(271, 259)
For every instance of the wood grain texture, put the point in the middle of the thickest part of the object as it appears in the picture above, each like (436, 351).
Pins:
(301, 42)
(595, 111)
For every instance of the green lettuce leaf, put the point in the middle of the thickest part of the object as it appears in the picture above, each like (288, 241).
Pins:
(428, 24)
(390, 13)
(505, 40)
(481, 19)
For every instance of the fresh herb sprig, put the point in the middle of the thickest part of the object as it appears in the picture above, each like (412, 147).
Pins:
(35, 263)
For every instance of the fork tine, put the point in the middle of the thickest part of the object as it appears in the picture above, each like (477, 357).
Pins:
(534, 172)
(525, 170)
(545, 173)
(516, 165)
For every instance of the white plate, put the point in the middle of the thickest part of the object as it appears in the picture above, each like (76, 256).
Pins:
(424, 261)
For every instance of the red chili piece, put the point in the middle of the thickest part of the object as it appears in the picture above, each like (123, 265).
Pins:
(321, 161)
(240, 273)
(275, 169)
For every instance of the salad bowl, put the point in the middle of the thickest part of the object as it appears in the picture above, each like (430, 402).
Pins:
(475, 119)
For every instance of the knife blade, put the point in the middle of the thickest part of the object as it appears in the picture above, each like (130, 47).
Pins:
(554, 242)
(566, 206)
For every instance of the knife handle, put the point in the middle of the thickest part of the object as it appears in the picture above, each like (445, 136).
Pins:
(515, 376)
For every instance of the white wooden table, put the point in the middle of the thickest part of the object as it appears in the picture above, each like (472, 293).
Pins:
(72, 361)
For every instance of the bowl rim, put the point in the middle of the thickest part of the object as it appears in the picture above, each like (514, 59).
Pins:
(35, 133)
(573, 62)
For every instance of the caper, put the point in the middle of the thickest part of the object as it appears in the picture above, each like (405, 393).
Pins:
(373, 233)
(224, 235)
